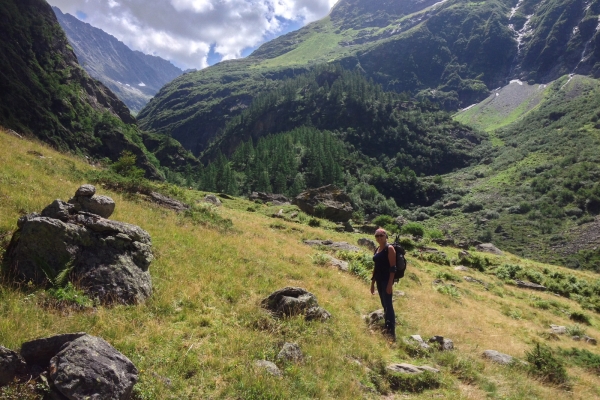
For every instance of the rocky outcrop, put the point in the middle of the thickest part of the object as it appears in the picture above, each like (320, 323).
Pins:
(530, 285)
(489, 248)
(291, 301)
(90, 368)
(109, 260)
(332, 245)
(214, 200)
(167, 202)
(368, 243)
(325, 202)
(275, 199)
(498, 357)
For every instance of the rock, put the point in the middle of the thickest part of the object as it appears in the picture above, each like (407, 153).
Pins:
(399, 293)
(317, 314)
(90, 368)
(168, 202)
(464, 254)
(290, 352)
(211, 198)
(59, 210)
(40, 351)
(268, 366)
(451, 205)
(473, 280)
(444, 242)
(108, 260)
(462, 268)
(529, 285)
(11, 366)
(341, 265)
(375, 317)
(327, 201)
(419, 340)
(437, 282)
(444, 344)
(103, 206)
(332, 245)
(498, 357)
(589, 340)
(368, 243)
(411, 369)
(225, 196)
(269, 197)
(85, 191)
(293, 215)
(488, 248)
(559, 330)
(291, 301)
(576, 338)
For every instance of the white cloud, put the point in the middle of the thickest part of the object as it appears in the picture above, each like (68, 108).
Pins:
(183, 31)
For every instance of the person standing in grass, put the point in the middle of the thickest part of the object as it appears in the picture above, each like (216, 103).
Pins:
(383, 276)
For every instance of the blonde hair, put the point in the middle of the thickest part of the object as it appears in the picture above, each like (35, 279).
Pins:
(380, 229)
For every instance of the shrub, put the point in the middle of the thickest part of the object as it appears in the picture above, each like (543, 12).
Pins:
(435, 233)
(413, 228)
(580, 317)
(447, 276)
(576, 330)
(69, 295)
(125, 166)
(544, 365)
(436, 258)
(320, 259)
(407, 243)
(508, 271)
(472, 206)
(314, 222)
(477, 262)
(583, 358)
(449, 290)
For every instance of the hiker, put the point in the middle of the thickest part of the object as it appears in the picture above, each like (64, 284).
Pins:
(383, 276)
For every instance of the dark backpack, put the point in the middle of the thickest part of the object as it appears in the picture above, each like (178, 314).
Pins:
(400, 259)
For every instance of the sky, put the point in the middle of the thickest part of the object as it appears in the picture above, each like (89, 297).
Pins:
(196, 33)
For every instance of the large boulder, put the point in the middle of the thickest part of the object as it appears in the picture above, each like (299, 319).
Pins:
(11, 366)
(291, 301)
(39, 352)
(90, 368)
(489, 248)
(109, 260)
(327, 202)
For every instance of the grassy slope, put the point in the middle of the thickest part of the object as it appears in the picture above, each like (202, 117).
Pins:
(203, 328)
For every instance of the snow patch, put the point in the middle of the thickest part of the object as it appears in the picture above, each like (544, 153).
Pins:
(142, 84)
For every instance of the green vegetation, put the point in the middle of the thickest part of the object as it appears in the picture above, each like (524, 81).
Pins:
(546, 366)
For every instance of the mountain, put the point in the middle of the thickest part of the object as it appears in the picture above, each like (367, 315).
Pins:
(44, 92)
(133, 76)
(452, 52)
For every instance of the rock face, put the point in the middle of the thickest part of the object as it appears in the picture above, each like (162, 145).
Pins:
(326, 202)
(498, 357)
(291, 301)
(11, 366)
(90, 368)
(108, 259)
(168, 202)
(489, 248)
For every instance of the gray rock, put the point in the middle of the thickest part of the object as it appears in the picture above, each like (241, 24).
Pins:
(489, 248)
(589, 340)
(463, 254)
(108, 259)
(576, 338)
(529, 285)
(268, 366)
(40, 351)
(559, 330)
(368, 243)
(498, 357)
(103, 206)
(90, 368)
(473, 280)
(419, 340)
(331, 202)
(11, 366)
(332, 245)
(340, 264)
(291, 301)
(211, 198)
(462, 268)
(269, 197)
(290, 352)
(375, 317)
(168, 202)
(85, 191)
(411, 369)
(59, 210)
(444, 344)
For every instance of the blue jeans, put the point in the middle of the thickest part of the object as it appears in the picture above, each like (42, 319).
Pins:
(388, 308)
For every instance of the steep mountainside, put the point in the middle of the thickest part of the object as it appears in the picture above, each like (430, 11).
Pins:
(132, 75)
(452, 52)
(44, 91)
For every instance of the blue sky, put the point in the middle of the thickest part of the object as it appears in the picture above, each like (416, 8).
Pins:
(196, 33)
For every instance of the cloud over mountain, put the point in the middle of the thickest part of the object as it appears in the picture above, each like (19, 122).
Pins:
(188, 31)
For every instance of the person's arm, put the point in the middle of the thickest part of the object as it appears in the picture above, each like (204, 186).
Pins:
(392, 261)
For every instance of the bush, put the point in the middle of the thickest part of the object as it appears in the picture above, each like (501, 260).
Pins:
(407, 243)
(472, 206)
(477, 262)
(580, 317)
(576, 330)
(436, 258)
(583, 358)
(314, 222)
(435, 233)
(413, 228)
(544, 365)
(508, 271)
